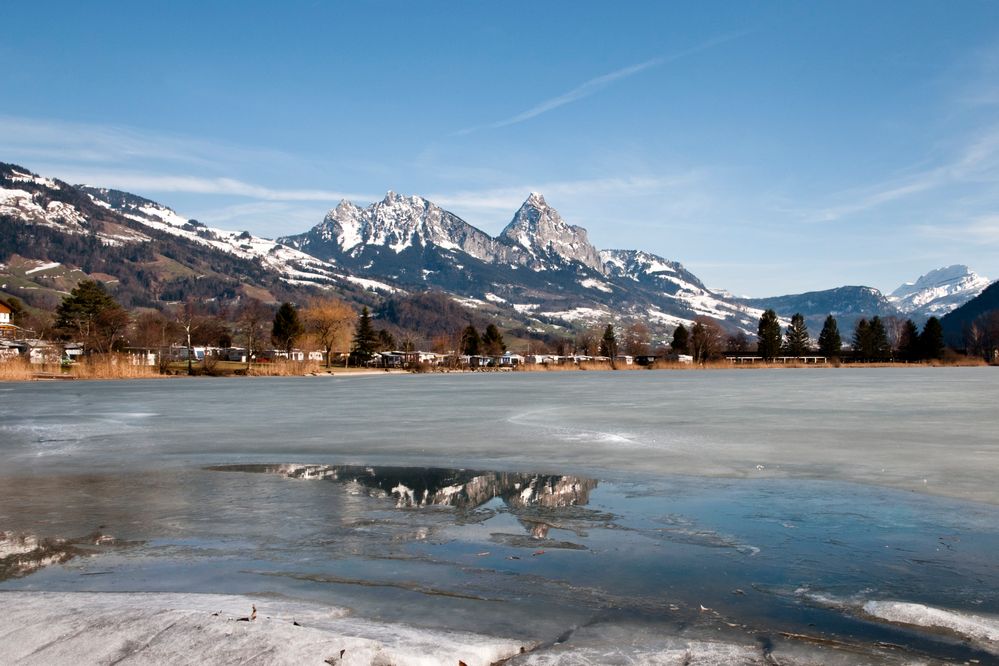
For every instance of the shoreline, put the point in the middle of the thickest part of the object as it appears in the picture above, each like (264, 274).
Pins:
(43, 375)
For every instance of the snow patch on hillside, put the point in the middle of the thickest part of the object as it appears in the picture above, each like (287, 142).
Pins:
(590, 283)
(43, 267)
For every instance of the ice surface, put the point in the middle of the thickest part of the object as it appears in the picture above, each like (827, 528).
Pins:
(976, 627)
(71, 628)
(710, 483)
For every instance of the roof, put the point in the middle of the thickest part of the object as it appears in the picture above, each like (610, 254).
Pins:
(4, 308)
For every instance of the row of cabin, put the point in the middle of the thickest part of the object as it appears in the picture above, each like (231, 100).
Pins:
(408, 359)
(39, 351)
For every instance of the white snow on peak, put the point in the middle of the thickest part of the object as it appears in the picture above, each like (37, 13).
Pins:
(939, 291)
(25, 177)
(396, 222)
(540, 230)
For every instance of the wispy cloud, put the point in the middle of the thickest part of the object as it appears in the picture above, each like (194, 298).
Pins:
(597, 84)
(145, 182)
(976, 162)
(637, 200)
(151, 162)
(88, 143)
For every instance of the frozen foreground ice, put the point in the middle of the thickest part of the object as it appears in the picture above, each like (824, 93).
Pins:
(147, 628)
(745, 517)
(54, 628)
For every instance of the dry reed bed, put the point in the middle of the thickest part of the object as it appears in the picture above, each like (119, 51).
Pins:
(285, 369)
(103, 366)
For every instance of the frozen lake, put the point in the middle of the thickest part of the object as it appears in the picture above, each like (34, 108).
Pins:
(808, 516)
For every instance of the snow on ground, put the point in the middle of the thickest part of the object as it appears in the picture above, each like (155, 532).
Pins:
(371, 285)
(981, 629)
(468, 302)
(158, 628)
(585, 314)
(661, 317)
(293, 264)
(590, 283)
(494, 298)
(524, 308)
(21, 204)
(24, 177)
(43, 267)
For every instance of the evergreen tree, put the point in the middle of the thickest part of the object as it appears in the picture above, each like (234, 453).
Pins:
(471, 343)
(830, 342)
(386, 341)
(91, 316)
(492, 341)
(908, 342)
(796, 339)
(768, 335)
(880, 347)
(608, 343)
(862, 339)
(365, 337)
(931, 340)
(287, 327)
(681, 340)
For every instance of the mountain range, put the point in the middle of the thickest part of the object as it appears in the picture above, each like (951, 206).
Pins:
(540, 273)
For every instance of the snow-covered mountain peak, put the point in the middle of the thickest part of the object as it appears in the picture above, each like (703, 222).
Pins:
(541, 231)
(536, 199)
(938, 292)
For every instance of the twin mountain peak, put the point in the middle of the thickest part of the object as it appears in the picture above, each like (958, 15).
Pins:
(537, 237)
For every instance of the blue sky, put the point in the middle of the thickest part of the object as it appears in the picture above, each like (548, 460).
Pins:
(771, 147)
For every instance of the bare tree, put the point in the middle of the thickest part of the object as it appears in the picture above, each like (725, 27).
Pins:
(737, 343)
(706, 339)
(637, 339)
(894, 329)
(588, 341)
(188, 318)
(330, 322)
(250, 322)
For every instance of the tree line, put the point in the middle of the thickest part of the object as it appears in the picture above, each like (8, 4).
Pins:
(90, 316)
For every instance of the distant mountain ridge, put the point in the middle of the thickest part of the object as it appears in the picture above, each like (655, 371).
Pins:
(540, 273)
(939, 291)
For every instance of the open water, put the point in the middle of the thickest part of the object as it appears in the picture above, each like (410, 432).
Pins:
(807, 516)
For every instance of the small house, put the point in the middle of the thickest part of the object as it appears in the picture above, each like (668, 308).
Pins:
(7, 329)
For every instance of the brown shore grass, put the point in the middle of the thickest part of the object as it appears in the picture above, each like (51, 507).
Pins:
(102, 366)
(119, 366)
(111, 366)
(953, 362)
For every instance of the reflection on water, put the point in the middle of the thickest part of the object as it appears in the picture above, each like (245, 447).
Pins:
(24, 554)
(557, 560)
(414, 487)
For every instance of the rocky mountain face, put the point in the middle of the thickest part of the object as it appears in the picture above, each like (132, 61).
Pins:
(539, 267)
(939, 291)
(538, 230)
